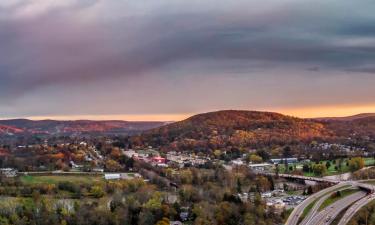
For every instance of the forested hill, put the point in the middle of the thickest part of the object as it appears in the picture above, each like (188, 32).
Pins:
(53, 127)
(363, 127)
(234, 128)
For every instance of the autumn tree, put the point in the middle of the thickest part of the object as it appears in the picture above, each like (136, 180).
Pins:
(319, 169)
(356, 163)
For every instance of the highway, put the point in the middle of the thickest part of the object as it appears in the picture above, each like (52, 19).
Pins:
(315, 218)
(355, 208)
(297, 212)
(312, 213)
(327, 215)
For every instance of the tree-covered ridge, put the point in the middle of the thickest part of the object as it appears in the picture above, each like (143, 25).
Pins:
(361, 127)
(234, 128)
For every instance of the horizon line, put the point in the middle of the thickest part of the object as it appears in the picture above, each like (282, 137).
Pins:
(307, 113)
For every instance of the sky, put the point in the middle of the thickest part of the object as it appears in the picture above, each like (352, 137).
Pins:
(167, 60)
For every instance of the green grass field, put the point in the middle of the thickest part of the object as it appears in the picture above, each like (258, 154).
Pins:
(51, 179)
(370, 161)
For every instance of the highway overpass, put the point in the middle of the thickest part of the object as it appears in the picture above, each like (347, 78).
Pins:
(325, 217)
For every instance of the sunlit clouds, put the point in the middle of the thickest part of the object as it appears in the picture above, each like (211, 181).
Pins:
(171, 59)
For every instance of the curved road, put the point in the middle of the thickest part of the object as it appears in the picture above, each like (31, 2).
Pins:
(327, 215)
(316, 207)
(297, 212)
(355, 208)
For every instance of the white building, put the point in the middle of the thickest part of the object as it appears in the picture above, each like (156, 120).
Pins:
(237, 162)
(112, 176)
(130, 153)
(260, 166)
(8, 172)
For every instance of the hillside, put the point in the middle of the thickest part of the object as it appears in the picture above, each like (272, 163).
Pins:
(9, 130)
(357, 127)
(347, 118)
(23, 126)
(234, 128)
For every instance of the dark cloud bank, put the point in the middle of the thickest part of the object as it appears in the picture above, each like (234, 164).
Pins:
(146, 57)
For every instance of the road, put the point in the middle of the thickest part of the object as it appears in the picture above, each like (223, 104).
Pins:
(355, 208)
(318, 218)
(310, 219)
(297, 212)
(317, 179)
(327, 215)
(314, 210)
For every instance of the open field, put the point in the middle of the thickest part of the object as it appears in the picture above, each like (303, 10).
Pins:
(54, 179)
(334, 169)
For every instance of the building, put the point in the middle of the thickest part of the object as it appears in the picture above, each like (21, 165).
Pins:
(175, 223)
(130, 153)
(112, 176)
(266, 194)
(75, 166)
(8, 172)
(282, 160)
(184, 216)
(237, 162)
(158, 160)
(98, 170)
(260, 166)
(278, 204)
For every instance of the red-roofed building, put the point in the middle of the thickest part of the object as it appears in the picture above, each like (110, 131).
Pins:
(158, 159)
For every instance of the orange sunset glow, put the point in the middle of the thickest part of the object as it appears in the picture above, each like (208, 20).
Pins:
(309, 112)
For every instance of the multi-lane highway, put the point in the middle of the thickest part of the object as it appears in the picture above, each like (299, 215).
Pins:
(297, 212)
(307, 220)
(315, 208)
(327, 215)
(355, 208)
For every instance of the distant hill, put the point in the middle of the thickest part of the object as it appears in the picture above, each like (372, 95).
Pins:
(356, 126)
(24, 126)
(228, 128)
(234, 128)
(9, 130)
(347, 118)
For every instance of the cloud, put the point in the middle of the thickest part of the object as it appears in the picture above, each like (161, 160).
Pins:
(53, 45)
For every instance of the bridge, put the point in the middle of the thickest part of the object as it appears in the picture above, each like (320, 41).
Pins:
(316, 179)
(367, 187)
